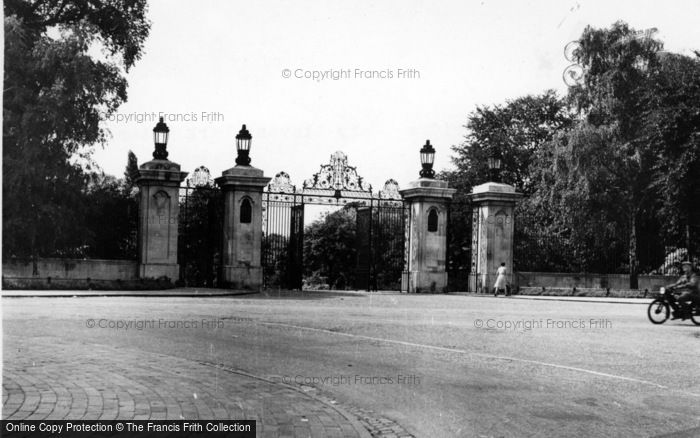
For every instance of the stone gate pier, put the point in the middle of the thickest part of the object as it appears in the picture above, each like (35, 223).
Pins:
(159, 181)
(243, 233)
(493, 227)
(427, 230)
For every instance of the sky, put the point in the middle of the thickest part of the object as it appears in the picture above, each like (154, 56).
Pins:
(405, 71)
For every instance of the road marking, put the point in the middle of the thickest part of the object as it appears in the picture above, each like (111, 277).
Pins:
(484, 355)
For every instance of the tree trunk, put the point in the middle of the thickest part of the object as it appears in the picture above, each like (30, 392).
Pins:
(634, 262)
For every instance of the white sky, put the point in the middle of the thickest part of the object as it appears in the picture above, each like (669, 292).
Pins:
(227, 57)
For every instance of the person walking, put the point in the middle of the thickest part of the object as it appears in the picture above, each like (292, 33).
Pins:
(500, 284)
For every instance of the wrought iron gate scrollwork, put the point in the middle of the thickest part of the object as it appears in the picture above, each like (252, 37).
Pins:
(380, 221)
(337, 175)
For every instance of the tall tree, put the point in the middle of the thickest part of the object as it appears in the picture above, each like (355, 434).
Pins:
(518, 129)
(616, 169)
(604, 161)
(588, 199)
(54, 98)
(132, 166)
(672, 129)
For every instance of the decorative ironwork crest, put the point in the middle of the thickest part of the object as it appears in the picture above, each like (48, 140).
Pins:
(390, 190)
(281, 183)
(201, 177)
(337, 175)
(336, 183)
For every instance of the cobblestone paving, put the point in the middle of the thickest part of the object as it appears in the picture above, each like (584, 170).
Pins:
(378, 426)
(43, 380)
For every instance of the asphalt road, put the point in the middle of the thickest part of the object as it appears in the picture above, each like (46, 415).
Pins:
(438, 365)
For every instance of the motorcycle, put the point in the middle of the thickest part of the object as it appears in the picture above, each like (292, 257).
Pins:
(660, 309)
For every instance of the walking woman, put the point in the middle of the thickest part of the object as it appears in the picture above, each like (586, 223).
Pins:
(500, 280)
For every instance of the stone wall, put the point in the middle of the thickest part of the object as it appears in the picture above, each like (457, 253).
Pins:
(588, 281)
(72, 269)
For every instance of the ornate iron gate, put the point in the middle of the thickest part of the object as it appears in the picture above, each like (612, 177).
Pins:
(462, 241)
(379, 236)
(200, 229)
(385, 225)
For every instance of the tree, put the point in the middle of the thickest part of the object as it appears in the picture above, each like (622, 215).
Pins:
(618, 167)
(330, 248)
(587, 200)
(618, 66)
(606, 163)
(672, 129)
(518, 129)
(108, 222)
(111, 221)
(54, 98)
(132, 166)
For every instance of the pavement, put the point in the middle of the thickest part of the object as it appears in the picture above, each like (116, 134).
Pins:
(50, 380)
(177, 292)
(644, 301)
(204, 292)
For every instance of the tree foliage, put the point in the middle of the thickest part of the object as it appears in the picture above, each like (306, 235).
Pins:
(330, 251)
(614, 166)
(518, 129)
(55, 95)
(609, 162)
(672, 130)
(132, 166)
(581, 211)
(111, 221)
(106, 228)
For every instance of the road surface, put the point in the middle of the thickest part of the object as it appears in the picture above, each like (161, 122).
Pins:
(425, 365)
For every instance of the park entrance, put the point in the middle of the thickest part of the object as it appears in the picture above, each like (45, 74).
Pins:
(200, 227)
(333, 232)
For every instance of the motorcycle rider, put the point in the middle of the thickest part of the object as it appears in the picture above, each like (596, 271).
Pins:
(690, 281)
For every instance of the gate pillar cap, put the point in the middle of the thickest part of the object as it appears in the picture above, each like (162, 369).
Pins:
(427, 188)
(428, 182)
(494, 191)
(238, 175)
(159, 170)
(245, 171)
(493, 187)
